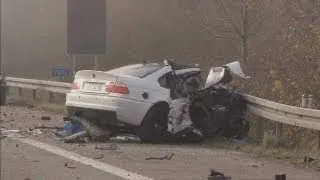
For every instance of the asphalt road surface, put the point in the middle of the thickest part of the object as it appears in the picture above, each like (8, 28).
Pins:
(40, 155)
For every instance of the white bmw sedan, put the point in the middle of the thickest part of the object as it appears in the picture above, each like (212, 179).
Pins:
(136, 95)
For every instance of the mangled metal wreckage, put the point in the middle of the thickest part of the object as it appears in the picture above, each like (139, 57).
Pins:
(166, 102)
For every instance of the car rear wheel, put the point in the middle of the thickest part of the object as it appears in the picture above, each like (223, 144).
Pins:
(154, 126)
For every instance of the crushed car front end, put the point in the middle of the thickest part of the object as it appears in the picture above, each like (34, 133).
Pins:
(211, 107)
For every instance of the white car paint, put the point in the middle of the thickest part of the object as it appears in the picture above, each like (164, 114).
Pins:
(217, 73)
(130, 108)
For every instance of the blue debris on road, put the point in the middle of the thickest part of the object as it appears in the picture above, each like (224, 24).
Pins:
(69, 129)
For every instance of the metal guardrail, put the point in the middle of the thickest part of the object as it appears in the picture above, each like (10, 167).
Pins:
(50, 86)
(302, 117)
(296, 116)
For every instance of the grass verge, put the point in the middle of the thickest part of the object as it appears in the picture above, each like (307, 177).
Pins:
(272, 148)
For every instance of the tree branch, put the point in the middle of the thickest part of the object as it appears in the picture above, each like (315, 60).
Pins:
(236, 29)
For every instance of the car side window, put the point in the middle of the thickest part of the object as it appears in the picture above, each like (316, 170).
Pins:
(164, 81)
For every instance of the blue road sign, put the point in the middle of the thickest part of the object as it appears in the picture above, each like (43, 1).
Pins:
(61, 72)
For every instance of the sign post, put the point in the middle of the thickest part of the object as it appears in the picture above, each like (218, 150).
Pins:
(73, 63)
(96, 62)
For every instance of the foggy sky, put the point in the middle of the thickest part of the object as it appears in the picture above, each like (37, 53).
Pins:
(33, 37)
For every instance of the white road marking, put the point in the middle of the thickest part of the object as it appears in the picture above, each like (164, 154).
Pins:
(78, 158)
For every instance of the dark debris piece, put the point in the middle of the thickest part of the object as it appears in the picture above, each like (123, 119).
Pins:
(308, 159)
(215, 175)
(110, 147)
(280, 177)
(68, 165)
(166, 157)
(100, 156)
(46, 118)
(49, 127)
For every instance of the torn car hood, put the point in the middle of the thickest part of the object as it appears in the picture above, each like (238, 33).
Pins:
(216, 73)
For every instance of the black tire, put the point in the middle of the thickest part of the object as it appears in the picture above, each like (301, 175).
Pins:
(154, 125)
(202, 118)
(94, 131)
(237, 128)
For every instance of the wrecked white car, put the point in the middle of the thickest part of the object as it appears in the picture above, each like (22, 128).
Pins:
(155, 101)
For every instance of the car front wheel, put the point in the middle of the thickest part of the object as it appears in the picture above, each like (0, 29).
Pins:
(154, 126)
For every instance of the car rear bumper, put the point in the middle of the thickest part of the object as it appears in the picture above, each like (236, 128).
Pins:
(127, 110)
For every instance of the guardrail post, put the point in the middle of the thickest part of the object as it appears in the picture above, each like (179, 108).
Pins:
(34, 94)
(51, 96)
(280, 177)
(318, 140)
(310, 101)
(260, 129)
(20, 92)
(3, 90)
(8, 90)
(304, 101)
(279, 130)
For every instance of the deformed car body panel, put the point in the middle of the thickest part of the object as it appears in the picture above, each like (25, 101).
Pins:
(179, 118)
(229, 119)
(236, 69)
(216, 74)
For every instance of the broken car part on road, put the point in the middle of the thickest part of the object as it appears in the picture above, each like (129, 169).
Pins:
(109, 147)
(158, 102)
(166, 157)
(215, 175)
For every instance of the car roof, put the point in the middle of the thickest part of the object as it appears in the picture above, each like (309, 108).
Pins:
(136, 70)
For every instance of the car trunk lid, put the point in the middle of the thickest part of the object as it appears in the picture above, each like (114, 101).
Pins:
(89, 81)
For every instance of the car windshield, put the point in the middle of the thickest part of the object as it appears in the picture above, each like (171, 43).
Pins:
(136, 70)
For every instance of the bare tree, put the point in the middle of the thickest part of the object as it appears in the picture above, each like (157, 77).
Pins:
(247, 19)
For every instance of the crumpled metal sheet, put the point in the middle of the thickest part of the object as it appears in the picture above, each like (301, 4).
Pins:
(236, 69)
(217, 73)
(179, 118)
(180, 122)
